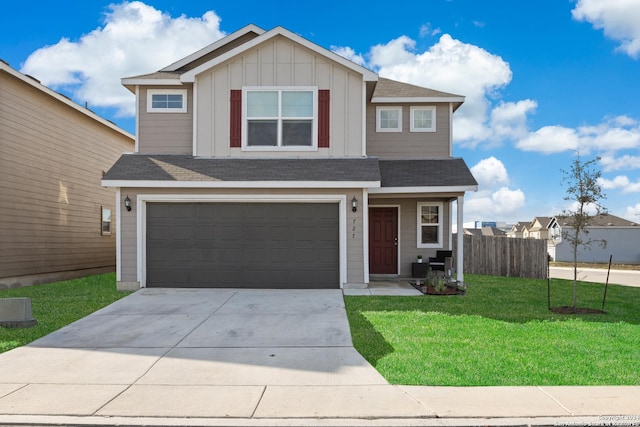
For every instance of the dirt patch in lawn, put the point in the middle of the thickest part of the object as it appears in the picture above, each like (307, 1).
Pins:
(576, 310)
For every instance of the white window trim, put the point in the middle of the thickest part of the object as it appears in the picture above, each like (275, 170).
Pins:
(433, 119)
(151, 92)
(314, 127)
(419, 225)
(379, 109)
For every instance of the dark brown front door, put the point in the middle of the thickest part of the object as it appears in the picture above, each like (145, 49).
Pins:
(383, 240)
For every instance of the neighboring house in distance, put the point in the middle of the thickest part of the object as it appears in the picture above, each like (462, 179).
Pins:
(519, 229)
(267, 161)
(485, 231)
(622, 237)
(56, 219)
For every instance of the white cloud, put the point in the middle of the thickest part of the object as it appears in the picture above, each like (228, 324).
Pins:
(428, 30)
(348, 53)
(633, 213)
(134, 39)
(610, 163)
(451, 66)
(550, 139)
(617, 18)
(612, 134)
(620, 182)
(494, 199)
(509, 119)
(489, 173)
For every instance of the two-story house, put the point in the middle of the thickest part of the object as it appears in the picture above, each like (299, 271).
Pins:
(267, 161)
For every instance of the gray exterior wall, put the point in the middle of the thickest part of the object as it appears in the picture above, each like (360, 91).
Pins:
(165, 133)
(52, 158)
(622, 242)
(279, 62)
(354, 241)
(406, 144)
(408, 238)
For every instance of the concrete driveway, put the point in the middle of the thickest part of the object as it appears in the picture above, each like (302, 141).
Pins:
(209, 357)
(203, 353)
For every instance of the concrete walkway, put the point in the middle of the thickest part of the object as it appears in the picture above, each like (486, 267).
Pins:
(251, 357)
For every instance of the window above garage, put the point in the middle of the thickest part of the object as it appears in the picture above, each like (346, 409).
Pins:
(280, 118)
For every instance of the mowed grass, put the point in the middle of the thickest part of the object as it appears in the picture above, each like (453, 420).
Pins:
(55, 305)
(501, 334)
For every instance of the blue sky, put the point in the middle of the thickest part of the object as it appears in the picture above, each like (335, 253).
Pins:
(542, 79)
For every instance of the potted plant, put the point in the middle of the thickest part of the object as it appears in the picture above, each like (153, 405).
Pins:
(420, 258)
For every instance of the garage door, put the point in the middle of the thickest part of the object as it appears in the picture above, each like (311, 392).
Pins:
(246, 245)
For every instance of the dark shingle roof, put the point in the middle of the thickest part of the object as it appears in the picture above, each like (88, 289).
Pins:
(426, 172)
(387, 88)
(138, 167)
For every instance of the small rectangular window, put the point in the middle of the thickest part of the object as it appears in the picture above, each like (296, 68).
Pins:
(166, 101)
(430, 225)
(423, 119)
(106, 222)
(388, 119)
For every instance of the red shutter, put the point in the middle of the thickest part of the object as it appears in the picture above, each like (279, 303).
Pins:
(235, 113)
(323, 118)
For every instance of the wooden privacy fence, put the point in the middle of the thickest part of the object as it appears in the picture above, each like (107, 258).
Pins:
(503, 256)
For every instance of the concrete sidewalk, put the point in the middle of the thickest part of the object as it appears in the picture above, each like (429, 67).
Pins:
(251, 357)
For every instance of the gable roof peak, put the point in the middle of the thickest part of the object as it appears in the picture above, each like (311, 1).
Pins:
(190, 75)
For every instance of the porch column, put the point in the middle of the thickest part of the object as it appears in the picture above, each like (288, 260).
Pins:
(460, 249)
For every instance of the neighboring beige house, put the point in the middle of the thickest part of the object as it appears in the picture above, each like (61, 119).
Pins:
(56, 219)
(267, 161)
(485, 231)
(519, 229)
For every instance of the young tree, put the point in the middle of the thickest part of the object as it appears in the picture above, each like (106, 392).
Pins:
(586, 194)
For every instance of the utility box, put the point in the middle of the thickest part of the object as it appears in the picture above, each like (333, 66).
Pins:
(16, 313)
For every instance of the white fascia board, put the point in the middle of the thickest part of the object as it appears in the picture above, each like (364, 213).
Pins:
(240, 184)
(190, 76)
(31, 81)
(213, 46)
(149, 82)
(412, 99)
(443, 189)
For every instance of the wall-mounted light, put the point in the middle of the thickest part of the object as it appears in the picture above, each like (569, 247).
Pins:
(354, 204)
(127, 203)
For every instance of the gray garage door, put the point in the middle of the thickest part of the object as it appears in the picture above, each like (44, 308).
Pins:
(247, 245)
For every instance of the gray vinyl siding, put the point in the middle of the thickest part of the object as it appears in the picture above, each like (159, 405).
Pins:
(355, 251)
(622, 244)
(408, 239)
(406, 144)
(51, 162)
(165, 133)
(279, 62)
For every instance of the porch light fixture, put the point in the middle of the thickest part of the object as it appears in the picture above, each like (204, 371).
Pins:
(127, 203)
(354, 204)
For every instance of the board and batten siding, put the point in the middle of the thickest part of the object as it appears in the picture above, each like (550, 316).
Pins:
(354, 241)
(165, 133)
(51, 162)
(406, 144)
(279, 62)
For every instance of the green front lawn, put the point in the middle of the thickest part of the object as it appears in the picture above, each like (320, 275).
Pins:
(56, 305)
(501, 333)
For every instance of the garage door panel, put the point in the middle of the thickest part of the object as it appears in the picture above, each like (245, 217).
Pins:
(258, 245)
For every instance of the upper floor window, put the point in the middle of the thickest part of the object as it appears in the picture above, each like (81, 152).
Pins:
(280, 118)
(423, 119)
(167, 101)
(430, 225)
(388, 119)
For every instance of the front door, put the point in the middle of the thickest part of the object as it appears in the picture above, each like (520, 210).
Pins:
(383, 240)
